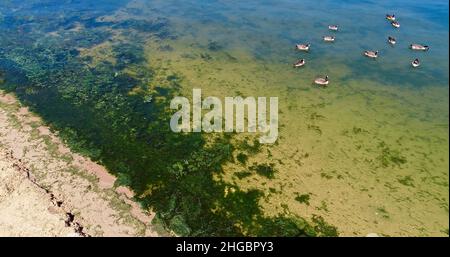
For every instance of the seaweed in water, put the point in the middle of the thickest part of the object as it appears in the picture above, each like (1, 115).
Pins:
(174, 174)
(214, 46)
(127, 54)
(242, 158)
(389, 157)
(253, 148)
(304, 198)
(265, 170)
(2, 77)
(243, 174)
(406, 181)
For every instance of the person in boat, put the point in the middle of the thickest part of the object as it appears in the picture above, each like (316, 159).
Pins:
(299, 63)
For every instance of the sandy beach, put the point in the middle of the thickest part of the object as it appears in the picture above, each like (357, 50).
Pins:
(46, 190)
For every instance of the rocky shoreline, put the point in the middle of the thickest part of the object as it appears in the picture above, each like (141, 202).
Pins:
(80, 196)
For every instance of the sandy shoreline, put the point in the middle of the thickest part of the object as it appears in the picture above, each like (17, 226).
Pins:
(79, 196)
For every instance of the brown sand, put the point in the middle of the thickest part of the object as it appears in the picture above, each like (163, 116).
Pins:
(46, 190)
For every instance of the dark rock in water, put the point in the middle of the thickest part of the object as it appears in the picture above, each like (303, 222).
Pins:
(166, 48)
(162, 91)
(127, 54)
(142, 25)
(2, 77)
(214, 46)
(93, 23)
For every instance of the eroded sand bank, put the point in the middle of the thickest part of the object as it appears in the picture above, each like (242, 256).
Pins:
(46, 190)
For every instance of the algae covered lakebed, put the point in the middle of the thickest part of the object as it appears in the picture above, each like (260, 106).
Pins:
(368, 154)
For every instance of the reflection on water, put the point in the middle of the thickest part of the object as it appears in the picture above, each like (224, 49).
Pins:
(368, 154)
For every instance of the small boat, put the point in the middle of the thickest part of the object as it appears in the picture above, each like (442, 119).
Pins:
(299, 63)
(395, 24)
(333, 27)
(371, 54)
(419, 47)
(303, 47)
(390, 17)
(328, 38)
(415, 63)
(322, 81)
(392, 40)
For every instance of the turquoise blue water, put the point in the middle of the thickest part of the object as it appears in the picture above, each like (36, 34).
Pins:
(270, 29)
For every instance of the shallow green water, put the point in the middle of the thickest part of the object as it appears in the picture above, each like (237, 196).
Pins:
(269, 29)
(368, 154)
